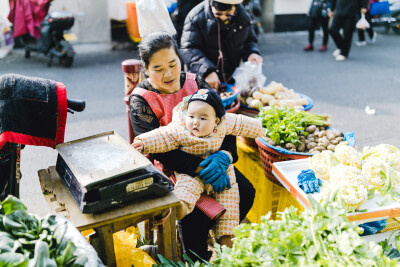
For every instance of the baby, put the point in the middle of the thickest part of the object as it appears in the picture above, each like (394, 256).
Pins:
(199, 126)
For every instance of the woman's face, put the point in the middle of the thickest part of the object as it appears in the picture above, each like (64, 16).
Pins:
(164, 71)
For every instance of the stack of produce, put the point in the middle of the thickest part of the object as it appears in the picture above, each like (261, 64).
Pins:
(26, 240)
(319, 236)
(271, 95)
(299, 131)
(350, 176)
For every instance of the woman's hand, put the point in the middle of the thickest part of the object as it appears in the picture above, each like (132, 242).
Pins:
(214, 172)
(213, 80)
(255, 58)
(138, 145)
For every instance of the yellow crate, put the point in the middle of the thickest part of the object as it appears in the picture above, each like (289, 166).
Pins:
(269, 196)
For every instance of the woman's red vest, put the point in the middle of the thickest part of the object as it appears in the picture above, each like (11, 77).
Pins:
(163, 104)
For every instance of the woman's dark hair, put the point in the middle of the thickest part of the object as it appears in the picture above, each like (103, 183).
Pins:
(154, 42)
(221, 6)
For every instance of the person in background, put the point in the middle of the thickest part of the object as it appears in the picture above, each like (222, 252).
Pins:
(183, 7)
(344, 13)
(150, 106)
(217, 36)
(370, 31)
(318, 13)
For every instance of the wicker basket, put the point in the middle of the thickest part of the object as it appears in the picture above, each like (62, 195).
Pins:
(269, 156)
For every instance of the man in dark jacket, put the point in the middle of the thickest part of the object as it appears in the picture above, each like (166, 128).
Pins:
(344, 14)
(217, 35)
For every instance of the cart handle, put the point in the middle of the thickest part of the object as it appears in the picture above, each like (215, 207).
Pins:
(75, 105)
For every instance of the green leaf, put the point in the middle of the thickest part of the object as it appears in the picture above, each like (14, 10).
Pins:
(6, 242)
(41, 257)
(11, 204)
(9, 259)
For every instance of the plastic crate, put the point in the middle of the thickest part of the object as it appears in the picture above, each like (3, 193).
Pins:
(269, 156)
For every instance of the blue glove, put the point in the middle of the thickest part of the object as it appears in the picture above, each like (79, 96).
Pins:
(308, 182)
(214, 172)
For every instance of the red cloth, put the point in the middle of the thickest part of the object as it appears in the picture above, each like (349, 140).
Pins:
(26, 15)
(20, 138)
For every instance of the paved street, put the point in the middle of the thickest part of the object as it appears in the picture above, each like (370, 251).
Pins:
(371, 76)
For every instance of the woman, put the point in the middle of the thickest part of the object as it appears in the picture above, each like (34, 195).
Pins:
(318, 13)
(151, 105)
(217, 36)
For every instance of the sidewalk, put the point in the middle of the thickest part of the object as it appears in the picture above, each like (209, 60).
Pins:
(370, 77)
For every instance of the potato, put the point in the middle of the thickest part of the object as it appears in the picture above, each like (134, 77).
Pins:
(293, 149)
(321, 128)
(256, 104)
(301, 147)
(331, 136)
(311, 145)
(311, 151)
(339, 134)
(257, 95)
(331, 147)
(321, 133)
(311, 128)
(334, 142)
(302, 138)
(272, 143)
(310, 136)
(248, 100)
(319, 148)
(316, 130)
(266, 98)
(307, 141)
(290, 146)
(339, 139)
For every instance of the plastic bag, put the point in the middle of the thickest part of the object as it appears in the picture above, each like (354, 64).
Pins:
(82, 245)
(126, 252)
(6, 37)
(248, 77)
(362, 23)
(153, 16)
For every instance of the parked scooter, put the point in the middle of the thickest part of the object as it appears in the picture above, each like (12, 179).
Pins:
(390, 20)
(52, 42)
(43, 110)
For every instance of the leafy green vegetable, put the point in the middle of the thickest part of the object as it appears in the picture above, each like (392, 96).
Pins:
(26, 240)
(284, 125)
(319, 236)
(9, 259)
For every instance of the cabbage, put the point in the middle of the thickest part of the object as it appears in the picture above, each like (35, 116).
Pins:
(322, 162)
(347, 174)
(386, 152)
(348, 155)
(375, 170)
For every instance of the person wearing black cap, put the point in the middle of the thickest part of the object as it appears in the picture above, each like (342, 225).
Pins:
(216, 37)
(199, 125)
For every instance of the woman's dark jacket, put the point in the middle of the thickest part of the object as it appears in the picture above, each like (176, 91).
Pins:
(199, 42)
(348, 8)
(144, 120)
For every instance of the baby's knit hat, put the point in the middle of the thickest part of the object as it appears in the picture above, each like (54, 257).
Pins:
(212, 98)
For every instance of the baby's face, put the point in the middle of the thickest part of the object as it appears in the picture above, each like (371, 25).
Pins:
(200, 119)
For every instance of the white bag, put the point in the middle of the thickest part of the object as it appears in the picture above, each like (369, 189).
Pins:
(153, 16)
(362, 24)
(6, 37)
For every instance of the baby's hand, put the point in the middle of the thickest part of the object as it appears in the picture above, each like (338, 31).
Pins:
(138, 145)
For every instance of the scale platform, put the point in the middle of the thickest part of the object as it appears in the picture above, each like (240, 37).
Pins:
(103, 171)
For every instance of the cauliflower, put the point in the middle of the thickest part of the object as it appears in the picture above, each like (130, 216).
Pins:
(347, 174)
(385, 152)
(321, 164)
(353, 196)
(375, 170)
(348, 156)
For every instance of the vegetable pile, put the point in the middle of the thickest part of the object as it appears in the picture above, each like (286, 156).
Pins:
(26, 240)
(274, 94)
(299, 131)
(353, 177)
(319, 236)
